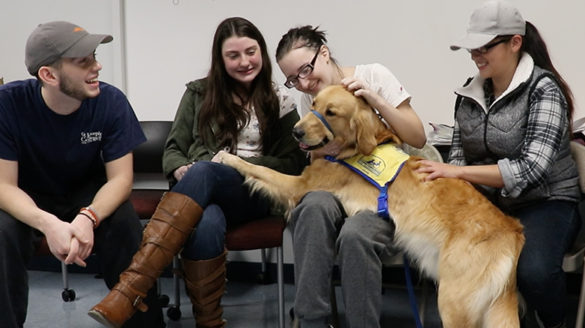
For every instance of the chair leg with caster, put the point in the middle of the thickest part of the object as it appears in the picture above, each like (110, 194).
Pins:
(68, 295)
(174, 310)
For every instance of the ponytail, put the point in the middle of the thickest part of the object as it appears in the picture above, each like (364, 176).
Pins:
(535, 46)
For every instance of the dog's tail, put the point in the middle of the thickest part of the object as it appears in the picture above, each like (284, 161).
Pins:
(498, 299)
(503, 313)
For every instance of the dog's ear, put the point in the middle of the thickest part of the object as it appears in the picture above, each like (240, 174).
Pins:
(385, 135)
(365, 131)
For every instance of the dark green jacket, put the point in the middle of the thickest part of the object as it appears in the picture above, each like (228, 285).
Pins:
(184, 144)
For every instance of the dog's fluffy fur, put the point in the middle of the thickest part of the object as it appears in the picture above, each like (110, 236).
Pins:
(455, 235)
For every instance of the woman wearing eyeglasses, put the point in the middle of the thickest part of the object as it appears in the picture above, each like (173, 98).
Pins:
(512, 139)
(321, 230)
(236, 108)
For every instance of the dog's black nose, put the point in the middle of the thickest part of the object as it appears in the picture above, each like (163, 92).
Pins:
(298, 133)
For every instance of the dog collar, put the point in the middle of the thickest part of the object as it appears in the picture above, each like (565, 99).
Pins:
(380, 168)
(322, 119)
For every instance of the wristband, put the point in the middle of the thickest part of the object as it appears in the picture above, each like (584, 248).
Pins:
(90, 218)
(91, 212)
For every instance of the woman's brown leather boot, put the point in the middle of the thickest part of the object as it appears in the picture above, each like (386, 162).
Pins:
(205, 281)
(171, 224)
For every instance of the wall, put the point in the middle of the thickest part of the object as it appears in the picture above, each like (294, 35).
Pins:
(169, 43)
(18, 18)
(159, 45)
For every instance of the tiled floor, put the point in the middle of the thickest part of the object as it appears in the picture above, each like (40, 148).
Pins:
(246, 304)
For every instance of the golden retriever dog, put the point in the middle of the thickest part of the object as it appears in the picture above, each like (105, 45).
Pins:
(451, 231)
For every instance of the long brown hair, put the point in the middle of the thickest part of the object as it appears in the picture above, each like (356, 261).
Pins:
(535, 46)
(218, 104)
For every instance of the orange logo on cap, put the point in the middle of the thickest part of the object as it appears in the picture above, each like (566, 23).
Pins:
(77, 29)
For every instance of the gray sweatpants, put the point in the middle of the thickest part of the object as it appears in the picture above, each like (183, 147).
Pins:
(321, 232)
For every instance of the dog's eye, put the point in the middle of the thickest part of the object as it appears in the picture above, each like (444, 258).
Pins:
(329, 112)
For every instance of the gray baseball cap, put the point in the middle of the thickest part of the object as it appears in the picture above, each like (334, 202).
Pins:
(493, 18)
(54, 40)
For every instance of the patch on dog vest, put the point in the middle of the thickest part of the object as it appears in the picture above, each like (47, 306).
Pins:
(381, 166)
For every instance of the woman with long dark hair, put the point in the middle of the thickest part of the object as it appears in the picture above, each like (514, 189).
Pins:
(236, 108)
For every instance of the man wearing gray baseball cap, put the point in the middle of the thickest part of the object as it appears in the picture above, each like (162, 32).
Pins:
(55, 40)
(66, 142)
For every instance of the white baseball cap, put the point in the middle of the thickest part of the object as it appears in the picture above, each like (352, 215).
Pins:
(493, 18)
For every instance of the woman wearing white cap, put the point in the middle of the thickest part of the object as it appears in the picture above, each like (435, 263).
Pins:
(512, 139)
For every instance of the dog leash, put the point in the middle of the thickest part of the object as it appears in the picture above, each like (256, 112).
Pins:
(411, 295)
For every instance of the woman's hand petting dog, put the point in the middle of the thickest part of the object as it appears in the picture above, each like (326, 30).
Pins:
(332, 148)
(360, 88)
(488, 175)
(438, 170)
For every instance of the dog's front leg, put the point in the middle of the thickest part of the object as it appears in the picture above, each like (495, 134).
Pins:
(248, 170)
(281, 188)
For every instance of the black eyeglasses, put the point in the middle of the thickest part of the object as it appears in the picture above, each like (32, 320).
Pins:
(305, 71)
(484, 50)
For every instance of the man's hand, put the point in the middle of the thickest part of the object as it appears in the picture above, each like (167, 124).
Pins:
(63, 240)
(82, 245)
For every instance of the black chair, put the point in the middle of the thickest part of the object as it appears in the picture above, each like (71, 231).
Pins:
(150, 182)
(574, 260)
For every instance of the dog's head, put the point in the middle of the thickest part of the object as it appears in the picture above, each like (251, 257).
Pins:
(339, 115)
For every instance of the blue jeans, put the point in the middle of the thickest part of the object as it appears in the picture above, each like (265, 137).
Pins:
(220, 191)
(550, 228)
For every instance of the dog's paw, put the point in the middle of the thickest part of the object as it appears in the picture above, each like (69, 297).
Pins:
(221, 157)
(226, 158)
